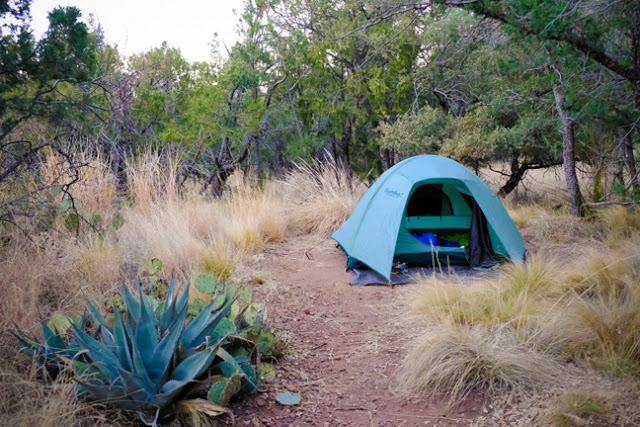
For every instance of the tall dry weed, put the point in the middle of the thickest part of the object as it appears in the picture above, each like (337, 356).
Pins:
(24, 401)
(455, 360)
(602, 320)
(512, 297)
(153, 180)
(622, 223)
(189, 232)
(322, 196)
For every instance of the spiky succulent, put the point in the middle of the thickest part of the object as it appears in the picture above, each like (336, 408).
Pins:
(146, 357)
(54, 350)
(145, 360)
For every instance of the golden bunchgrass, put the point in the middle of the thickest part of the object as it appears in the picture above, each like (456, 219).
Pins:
(622, 223)
(574, 408)
(321, 196)
(511, 297)
(25, 402)
(454, 360)
(583, 308)
(54, 270)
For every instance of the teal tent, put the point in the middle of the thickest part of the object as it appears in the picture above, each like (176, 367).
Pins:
(428, 194)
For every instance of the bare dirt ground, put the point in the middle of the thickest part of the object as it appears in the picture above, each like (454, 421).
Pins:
(345, 342)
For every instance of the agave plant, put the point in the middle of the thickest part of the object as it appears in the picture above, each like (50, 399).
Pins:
(54, 350)
(145, 360)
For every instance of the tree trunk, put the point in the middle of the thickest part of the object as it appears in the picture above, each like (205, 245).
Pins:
(568, 153)
(218, 181)
(517, 173)
(256, 156)
(618, 163)
(387, 161)
(627, 155)
(293, 109)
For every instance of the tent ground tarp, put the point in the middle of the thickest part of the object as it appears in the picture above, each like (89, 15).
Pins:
(363, 277)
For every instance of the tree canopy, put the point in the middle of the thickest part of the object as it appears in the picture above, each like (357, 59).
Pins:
(522, 84)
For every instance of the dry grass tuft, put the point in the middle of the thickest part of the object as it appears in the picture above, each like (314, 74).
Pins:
(622, 223)
(25, 401)
(201, 234)
(322, 196)
(153, 181)
(454, 360)
(513, 297)
(601, 322)
(575, 406)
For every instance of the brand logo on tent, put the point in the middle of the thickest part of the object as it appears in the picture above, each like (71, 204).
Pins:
(393, 193)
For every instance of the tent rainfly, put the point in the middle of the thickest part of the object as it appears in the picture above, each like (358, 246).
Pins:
(429, 209)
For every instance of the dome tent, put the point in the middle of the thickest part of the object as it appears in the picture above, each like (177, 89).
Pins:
(433, 194)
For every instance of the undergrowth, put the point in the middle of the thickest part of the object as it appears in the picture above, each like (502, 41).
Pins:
(51, 261)
(520, 327)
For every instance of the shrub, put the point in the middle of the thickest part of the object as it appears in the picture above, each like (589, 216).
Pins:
(148, 357)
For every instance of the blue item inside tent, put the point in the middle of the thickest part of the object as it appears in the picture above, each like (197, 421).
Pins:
(427, 238)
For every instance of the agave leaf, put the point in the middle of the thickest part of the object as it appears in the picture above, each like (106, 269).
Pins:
(29, 344)
(250, 380)
(99, 354)
(140, 367)
(169, 392)
(133, 306)
(161, 357)
(146, 335)
(107, 336)
(115, 395)
(195, 365)
(202, 326)
(213, 323)
(121, 340)
(52, 339)
(153, 422)
(183, 302)
(82, 323)
(224, 355)
(195, 327)
(135, 386)
(147, 305)
(172, 385)
(97, 317)
(168, 312)
(88, 372)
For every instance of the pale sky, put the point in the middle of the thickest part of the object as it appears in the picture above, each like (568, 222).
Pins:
(139, 25)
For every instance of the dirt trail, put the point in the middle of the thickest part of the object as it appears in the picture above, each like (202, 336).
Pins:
(346, 343)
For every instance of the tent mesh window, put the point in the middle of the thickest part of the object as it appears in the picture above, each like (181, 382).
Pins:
(429, 200)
